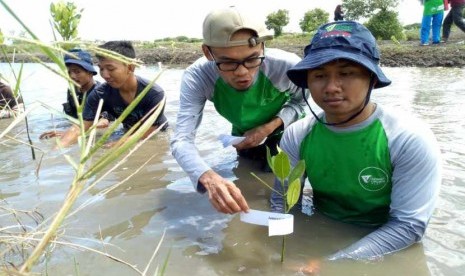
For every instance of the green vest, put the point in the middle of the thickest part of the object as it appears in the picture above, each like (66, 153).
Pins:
(433, 7)
(350, 173)
(250, 108)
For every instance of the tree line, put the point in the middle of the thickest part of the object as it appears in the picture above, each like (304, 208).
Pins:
(381, 15)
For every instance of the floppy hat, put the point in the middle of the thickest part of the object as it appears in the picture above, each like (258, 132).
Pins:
(81, 58)
(219, 25)
(340, 40)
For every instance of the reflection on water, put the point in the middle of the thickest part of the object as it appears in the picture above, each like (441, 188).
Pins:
(127, 221)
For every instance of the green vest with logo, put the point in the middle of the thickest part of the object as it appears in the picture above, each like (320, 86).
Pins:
(350, 173)
(250, 108)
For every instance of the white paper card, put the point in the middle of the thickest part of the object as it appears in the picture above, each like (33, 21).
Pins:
(229, 140)
(278, 224)
(281, 226)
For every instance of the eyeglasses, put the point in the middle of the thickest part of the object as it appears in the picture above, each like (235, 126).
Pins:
(248, 63)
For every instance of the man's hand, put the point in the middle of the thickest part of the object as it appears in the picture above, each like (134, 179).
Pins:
(223, 194)
(255, 136)
(103, 123)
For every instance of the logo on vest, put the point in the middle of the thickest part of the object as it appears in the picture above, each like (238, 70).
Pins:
(373, 179)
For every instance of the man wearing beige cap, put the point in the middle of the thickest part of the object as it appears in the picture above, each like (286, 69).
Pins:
(248, 86)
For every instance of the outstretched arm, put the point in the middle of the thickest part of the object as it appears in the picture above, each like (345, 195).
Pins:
(191, 105)
(71, 134)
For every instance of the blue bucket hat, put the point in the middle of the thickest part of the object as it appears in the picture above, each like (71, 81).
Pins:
(83, 59)
(340, 40)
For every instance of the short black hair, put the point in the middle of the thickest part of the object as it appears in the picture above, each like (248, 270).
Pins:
(122, 47)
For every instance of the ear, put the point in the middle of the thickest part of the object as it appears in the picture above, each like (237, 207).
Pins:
(131, 67)
(206, 52)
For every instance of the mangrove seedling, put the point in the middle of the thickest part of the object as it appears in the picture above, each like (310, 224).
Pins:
(288, 177)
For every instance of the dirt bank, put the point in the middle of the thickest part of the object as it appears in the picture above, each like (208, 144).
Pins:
(404, 54)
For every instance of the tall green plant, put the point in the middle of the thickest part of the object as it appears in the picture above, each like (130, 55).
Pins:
(290, 180)
(84, 170)
(66, 18)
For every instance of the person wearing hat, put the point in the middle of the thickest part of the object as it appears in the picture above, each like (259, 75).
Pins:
(10, 105)
(121, 88)
(81, 70)
(367, 165)
(248, 86)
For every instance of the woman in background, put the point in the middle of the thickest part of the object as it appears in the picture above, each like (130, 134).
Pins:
(338, 13)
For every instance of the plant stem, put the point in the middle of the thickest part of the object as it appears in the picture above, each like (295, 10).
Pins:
(283, 246)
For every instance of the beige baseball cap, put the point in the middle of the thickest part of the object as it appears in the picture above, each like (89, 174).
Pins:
(221, 24)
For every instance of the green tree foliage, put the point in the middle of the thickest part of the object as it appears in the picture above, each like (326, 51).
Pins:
(66, 18)
(277, 20)
(313, 19)
(385, 25)
(356, 9)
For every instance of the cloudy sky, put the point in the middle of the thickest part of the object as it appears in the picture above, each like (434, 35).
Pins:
(149, 20)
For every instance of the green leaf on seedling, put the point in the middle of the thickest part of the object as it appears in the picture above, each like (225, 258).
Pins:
(281, 165)
(297, 171)
(293, 194)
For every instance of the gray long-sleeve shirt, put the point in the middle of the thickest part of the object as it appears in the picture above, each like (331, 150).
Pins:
(198, 86)
(416, 178)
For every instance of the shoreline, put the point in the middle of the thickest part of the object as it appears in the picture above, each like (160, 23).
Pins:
(403, 54)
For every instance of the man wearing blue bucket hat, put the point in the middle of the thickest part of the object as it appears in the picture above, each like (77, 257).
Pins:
(366, 165)
(81, 70)
(122, 87)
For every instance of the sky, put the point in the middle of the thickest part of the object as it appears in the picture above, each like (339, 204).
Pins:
(149, 20)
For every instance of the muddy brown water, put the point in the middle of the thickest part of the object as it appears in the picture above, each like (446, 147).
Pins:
(128, 221)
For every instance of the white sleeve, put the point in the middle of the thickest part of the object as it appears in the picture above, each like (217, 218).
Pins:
(191, 105)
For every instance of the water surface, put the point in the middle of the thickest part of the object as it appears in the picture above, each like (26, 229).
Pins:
(128, 221)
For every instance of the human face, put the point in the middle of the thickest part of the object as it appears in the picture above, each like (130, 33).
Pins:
(340, 89)
(241, 78)
(84, 78)
(115, 73)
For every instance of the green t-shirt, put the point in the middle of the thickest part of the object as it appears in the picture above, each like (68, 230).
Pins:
(432, 7)
(360, 191)
(250, 108)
